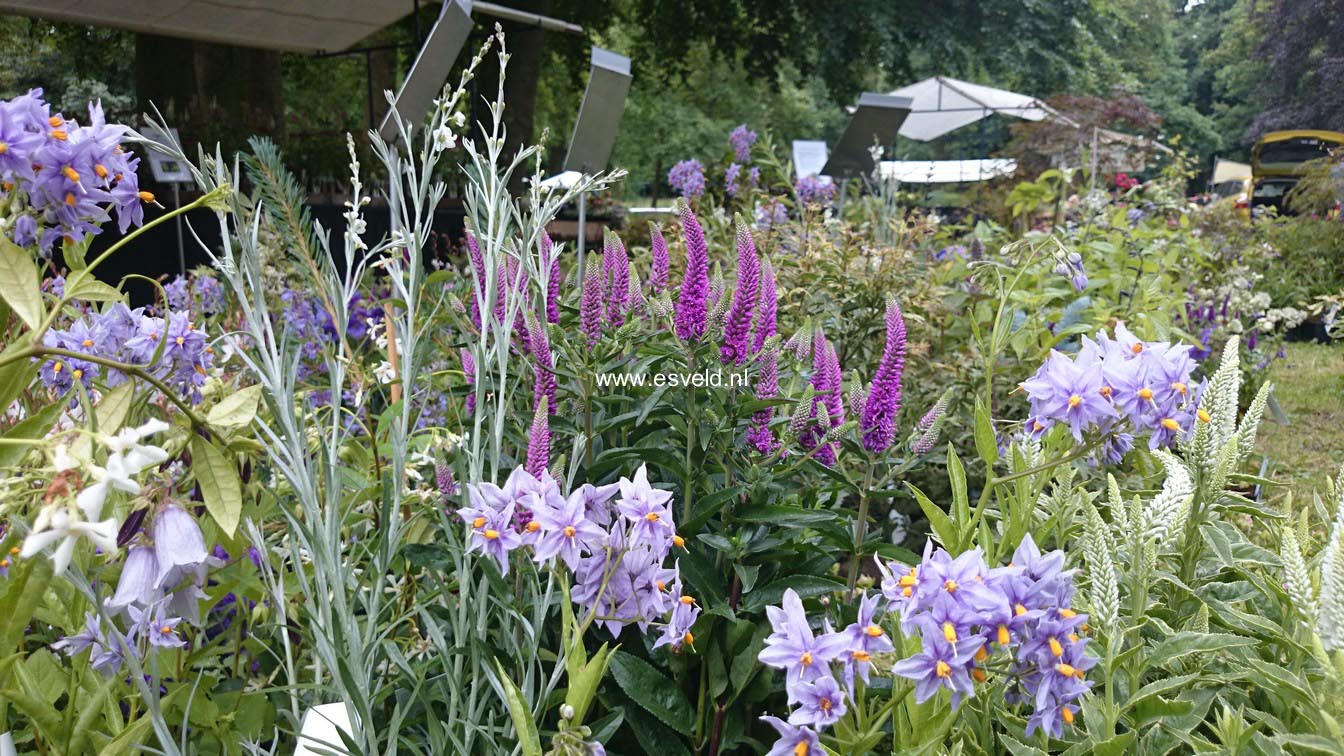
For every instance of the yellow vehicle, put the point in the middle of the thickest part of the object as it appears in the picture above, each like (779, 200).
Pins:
(1276, 165)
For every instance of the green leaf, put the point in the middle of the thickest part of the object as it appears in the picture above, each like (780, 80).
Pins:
(1218, 544)
(20, 286)
(1157, 687)
(1018, 748)
(76, 253)
(747, 574)
(1187, 642)
(220, 486)
(17, 375)
(784, 516)
(1157, 708)
(33, 428)
(649, 688)
(90, 289)
(1276, 411)
(653, 737)
(943, 528)
(805, 586)
(583, 686)
(26, 586)
(717, 542)
(1113, 746)
(108, 416)
(986, 445)
(235, 411)
(1304, 743)
(961, 502)
(528, 740)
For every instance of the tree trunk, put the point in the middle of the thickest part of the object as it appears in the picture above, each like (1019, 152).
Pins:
(210, 92)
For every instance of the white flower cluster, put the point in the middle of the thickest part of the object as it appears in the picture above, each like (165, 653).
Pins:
(1330, 620)
(62, 522)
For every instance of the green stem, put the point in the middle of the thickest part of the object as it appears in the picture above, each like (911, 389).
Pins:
(88, 271)
(860, 528)
(1037, 470)
(692, 425)
(588, 420)
(1110, 686)
(133, 370)
(700, 706)
(194, 204)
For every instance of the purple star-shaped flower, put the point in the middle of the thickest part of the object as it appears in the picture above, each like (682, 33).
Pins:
(793, 741)
(863, 638)
(941, 665)
(565, 531)
(646, 508)
(792, 646)
(157, 626)
(492, 534)
(820, 703)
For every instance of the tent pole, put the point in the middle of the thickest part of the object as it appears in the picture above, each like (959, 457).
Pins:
(1092, 186)
(984, 114)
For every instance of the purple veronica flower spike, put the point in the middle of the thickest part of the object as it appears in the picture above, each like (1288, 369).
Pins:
(619, 265)
(766, 325)
(759, 436)
(478, 274)
(737, 328)
(691, 310)
(590, 302)
(878, 425)
(793, 741)
(543, 365)
(539, 440)
(827, 384)
(658, 249)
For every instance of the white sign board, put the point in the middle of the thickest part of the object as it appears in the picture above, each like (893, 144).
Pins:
(809, 157)
(321, 730)
(166, 168)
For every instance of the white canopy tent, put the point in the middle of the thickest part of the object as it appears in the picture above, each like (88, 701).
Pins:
(1228, 170)
(941, 105)
(946, 171)
(289, 25)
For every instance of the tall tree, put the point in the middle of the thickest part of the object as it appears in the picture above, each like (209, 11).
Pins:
(1303, 51)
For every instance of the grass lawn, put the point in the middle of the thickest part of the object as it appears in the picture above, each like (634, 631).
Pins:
(1309, 386)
